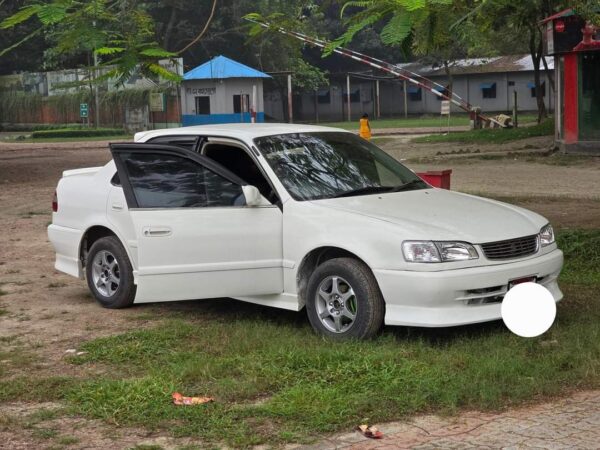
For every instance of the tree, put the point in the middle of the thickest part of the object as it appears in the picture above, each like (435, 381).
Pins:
(506, 24)
(285, 53)
(435, 39)
(398, 18)
(120, 32)
(278, 52)
(520, 23)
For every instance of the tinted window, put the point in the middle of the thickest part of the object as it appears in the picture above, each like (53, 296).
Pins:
(323, 165)
(171, 181)
(185, 141)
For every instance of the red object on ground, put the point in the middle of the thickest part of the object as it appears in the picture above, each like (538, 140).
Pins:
(437, 178)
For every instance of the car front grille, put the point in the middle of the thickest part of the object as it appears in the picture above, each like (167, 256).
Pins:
(511, 248)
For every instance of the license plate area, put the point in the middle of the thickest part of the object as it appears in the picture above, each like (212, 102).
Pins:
(530, 279)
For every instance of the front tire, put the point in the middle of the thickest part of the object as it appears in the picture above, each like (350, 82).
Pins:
(109, 274)
(344, 301)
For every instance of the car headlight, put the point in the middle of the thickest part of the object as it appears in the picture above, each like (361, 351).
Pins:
(546, 235)
(439, 251)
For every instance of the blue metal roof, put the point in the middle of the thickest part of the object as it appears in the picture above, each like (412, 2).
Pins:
(222, 67)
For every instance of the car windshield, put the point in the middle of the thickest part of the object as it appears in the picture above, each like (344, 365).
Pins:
(322, 165)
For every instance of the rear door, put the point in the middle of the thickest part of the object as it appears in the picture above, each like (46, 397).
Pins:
(196, 236)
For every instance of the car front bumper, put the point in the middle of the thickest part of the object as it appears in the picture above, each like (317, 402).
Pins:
(460, 296)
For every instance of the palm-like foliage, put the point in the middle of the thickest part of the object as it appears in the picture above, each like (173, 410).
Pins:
(120, 33)
(400, 16)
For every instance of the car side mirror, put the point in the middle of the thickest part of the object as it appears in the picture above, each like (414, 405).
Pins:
(253, 196)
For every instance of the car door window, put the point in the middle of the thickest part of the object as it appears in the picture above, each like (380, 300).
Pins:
(189, 142)
(161, 180)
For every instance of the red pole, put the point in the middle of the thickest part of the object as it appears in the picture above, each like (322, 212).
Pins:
(570, 102)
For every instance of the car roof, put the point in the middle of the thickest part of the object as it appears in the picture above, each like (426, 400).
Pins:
(247, 131)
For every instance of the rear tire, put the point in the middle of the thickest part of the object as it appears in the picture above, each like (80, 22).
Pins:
(109, 273)
(344, 301)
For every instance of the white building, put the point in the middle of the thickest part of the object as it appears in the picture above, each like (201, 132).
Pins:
(222, 91)
(485, 82)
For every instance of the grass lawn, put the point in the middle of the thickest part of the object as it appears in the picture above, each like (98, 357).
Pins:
(458, 119)
(275, 381)
(491, 135)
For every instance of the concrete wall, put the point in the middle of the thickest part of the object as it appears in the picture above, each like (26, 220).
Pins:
(469, 88)
(330, 108)
(221, 94)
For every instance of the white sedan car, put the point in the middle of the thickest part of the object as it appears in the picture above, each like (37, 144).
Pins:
(293, 216)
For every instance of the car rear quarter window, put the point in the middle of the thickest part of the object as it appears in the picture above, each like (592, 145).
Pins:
(170, 181)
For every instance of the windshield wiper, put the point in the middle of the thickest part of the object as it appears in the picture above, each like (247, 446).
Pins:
(407, 185)
(363, 190)
(376, 189)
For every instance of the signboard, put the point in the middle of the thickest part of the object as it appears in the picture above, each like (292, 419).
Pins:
(445, 107)
(83, 110)
(157, 101)
(201, 91)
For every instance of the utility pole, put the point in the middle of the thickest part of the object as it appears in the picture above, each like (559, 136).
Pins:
(254, 108)
(289, 93)
(316, 106)
(378, 105)
(405, 100)
(515, 117)
(96, 100)
(348, 97)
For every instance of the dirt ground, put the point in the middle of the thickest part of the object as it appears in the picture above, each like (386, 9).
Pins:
(48, 312)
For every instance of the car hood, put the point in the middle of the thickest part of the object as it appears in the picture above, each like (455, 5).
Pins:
(438, 214)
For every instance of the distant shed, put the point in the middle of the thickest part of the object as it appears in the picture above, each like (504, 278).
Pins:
(222, 91)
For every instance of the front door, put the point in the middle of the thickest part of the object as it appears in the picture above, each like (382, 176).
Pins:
(196, 236)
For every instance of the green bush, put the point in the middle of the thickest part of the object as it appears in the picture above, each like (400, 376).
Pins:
(23, 127)
(77, 132)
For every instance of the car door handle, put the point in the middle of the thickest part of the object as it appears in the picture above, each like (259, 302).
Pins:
(117, 206)
(156, 231)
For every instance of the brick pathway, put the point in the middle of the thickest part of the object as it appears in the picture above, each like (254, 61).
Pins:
(572, 423)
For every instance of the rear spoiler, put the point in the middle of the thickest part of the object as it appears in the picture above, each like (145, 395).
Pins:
(85, 171)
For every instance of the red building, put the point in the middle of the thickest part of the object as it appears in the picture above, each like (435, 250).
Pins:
(575, 45)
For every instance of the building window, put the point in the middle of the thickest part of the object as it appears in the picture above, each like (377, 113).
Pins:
(354, 96)
(488, 90)
(324, 96)
(203, 105)
(531, 86)
(511, 83)
(414, 93)
(241, 103)
(444, 91)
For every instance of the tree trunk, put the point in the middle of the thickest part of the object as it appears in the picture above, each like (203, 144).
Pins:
(450, 78)
(547, 11)
(536, 49)
(169, 28)
(549, 75)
